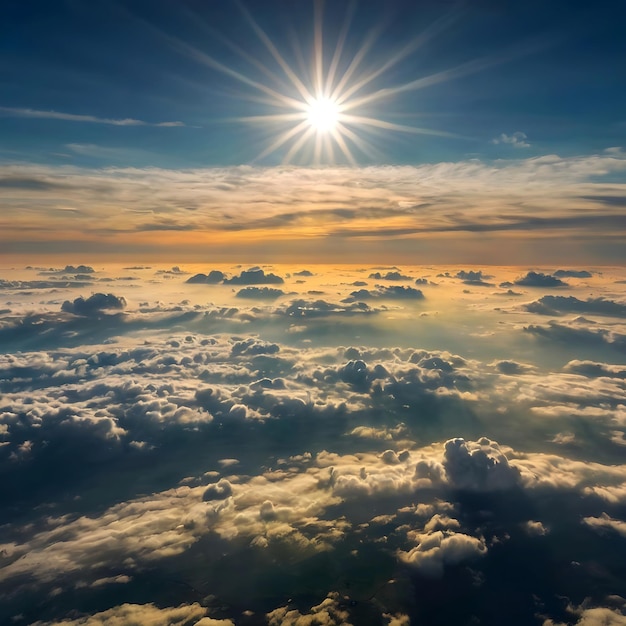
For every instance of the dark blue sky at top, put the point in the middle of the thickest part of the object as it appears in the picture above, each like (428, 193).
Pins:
(558, 76)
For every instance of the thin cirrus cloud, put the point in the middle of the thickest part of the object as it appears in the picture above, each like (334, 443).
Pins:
(73, 117)
(517, 140)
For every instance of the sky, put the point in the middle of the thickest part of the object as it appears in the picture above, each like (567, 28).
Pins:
(460, 132)
(312, 313)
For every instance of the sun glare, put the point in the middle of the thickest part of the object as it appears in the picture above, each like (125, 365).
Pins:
(317, 127)
(323, 114)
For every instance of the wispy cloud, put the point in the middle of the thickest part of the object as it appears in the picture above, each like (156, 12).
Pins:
(517, 140)
(234, 206)
(73, 117)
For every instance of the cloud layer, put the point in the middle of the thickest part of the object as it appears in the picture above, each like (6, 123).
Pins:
(237, 208)
(173, 453)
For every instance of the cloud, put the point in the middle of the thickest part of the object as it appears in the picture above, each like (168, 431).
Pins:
(538, 279)
(327, 613)
(260, 293)
(573, 274)
(72, 117)
(389, 276)
(76, 282)
(479, 466)
(254, 276)
(94, 304)
(473, 277)
(183, 615)
(302, 308)
(218, 491)
(393, 292)
(592, 369)
(136, 448)
(604, 522)
(78, 269)
(213, 278)
(517, 140)
(558, 194)
(576, 332)
(553, 305)
(511, 368)
(595, 616)
(436, 549)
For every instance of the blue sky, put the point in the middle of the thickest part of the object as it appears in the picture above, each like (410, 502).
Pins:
(280, 129)
(551, 73)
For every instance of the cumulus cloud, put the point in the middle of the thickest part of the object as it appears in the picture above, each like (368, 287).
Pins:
(254, 276)
(473, 277)
(593, 616)
(320, 308)
(135, 449)
(437, 549)
(389, 276)
(579, 332)
(260, 293)
(592, 369)
(478, 466)
(573, 274)
(328, 613)
(605, 522)
(553, 305)
(78, 269)
(94, 304)
(212, 278)
(183, 615)
(539, 279)
(511, 368)
(394, 292)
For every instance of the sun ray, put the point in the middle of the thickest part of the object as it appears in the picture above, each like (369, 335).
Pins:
(359, 142)
(372, 121)
(297, 83)
(318, 44)
(326, 109)
(317, 153)
(334, 63)
(470, 67)
(297, 146)
(328, 144)
(341, 142)
(283, 139)
(278, 117)
(371, 38)
(405, 51)
(205, 59)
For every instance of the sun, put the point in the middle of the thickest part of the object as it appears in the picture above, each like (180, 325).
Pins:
(323, 114)
(329, 109)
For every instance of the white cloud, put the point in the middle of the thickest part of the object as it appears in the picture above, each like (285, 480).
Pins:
(145, 614)
(73, 117)
(375, 203)
(221, 438)
(436, 549)
(516, 139)
(606, 522)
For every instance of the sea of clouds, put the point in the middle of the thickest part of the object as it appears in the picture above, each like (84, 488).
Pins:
(299, 446)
